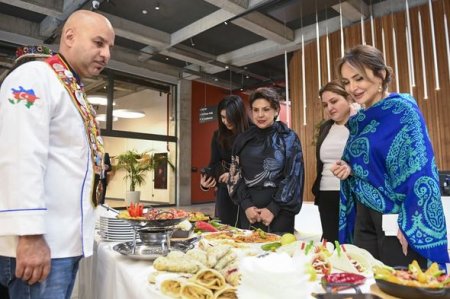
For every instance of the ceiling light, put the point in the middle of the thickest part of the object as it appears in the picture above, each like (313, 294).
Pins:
(157, 6)
(226, 23)
(144, 11)
(227, 67)
(98, 100)
(128, 113)
(102, 117)
(247, 77)
(216, 79)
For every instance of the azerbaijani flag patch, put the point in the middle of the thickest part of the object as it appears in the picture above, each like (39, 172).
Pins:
(22, 94)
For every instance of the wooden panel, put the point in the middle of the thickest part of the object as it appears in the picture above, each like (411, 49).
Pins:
(436, 108)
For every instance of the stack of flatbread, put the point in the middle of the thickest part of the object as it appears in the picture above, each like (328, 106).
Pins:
(211, 272)
(206, 284)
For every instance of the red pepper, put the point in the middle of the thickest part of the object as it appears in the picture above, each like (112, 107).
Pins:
(344, 278)
(205, 226)
(342, 281)
(136, 210)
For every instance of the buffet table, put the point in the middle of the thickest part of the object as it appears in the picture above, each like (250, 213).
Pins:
(110, 275)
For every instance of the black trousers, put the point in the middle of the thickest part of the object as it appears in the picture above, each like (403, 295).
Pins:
(328, 204)
(225, 209)
(3, 292)
(370, 236)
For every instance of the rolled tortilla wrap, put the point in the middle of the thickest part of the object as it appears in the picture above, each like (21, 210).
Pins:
(228, 258)
(216, 253)
(176, 254)
(210, 279)
(191, 290)
(198, 255)
(231, 274)
(176, 265)
(228, 292)
(172, 287)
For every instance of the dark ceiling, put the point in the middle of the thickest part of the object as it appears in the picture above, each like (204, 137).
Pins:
(229, 43)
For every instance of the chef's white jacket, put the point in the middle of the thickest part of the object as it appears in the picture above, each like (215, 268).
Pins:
(46, 174)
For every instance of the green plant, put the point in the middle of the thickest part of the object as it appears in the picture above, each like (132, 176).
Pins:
(137, 165)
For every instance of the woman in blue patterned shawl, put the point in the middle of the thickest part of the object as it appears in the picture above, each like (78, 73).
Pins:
(388, 167)
(266, 174)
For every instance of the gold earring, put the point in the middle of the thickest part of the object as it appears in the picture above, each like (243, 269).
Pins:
(380, 89)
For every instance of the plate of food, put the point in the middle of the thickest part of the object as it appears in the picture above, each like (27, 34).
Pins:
(244, 236)
(413, 282)
(138, 216)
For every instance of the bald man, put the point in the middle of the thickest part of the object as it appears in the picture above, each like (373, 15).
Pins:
(50, 146)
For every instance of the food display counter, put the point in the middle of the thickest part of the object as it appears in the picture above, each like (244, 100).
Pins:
(110, 275)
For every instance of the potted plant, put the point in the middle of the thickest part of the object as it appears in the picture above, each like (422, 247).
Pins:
(136, 166)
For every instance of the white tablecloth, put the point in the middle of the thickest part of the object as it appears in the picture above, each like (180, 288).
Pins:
(110, 275)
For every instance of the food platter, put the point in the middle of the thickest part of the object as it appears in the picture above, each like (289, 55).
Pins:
(403, 291)
(147, 252)
(157, 223)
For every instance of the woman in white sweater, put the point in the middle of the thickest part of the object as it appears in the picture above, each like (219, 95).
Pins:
(333, 135)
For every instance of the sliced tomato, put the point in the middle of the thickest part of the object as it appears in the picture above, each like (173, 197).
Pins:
(136, 210)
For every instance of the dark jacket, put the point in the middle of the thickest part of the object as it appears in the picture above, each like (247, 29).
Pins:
(323, 132)
(285, 169)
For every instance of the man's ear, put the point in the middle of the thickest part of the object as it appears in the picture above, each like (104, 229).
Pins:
(69, 37)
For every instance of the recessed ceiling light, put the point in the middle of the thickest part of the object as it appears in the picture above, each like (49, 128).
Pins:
(144, 11)
(247, 77)
(102, 117)
(157, 6)
(216, 79)
(128, 113)
(226, 23)
(167, 58)
(227, 67)
(98, 100)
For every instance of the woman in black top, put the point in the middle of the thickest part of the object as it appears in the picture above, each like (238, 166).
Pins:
(267, 168)
(233, 120)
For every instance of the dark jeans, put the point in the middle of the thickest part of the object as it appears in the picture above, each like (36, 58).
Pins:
(329, 215)
(370, 236)
(58, 285)
(282, 223)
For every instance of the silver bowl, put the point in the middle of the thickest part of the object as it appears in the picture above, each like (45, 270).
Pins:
(156, 237)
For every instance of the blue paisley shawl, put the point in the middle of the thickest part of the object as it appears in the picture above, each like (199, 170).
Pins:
(285, 170)
(394, 172)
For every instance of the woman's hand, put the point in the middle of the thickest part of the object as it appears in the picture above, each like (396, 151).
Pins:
(224, 177)
(252, 215)
(403, 241)
(266, 216)
(206, 182)
(341, 169)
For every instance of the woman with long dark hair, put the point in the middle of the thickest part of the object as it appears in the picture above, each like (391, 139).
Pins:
(233, 120)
